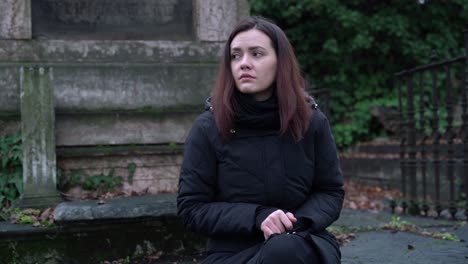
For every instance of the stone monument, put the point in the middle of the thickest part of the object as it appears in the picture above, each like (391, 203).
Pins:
(120, 83)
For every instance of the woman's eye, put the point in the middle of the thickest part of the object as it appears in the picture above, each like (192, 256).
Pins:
(235, 56)
(257, 54)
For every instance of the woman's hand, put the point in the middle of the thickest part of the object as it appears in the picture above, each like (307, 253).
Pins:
(277, 222)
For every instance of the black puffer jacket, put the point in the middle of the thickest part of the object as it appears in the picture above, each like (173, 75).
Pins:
(222, 184)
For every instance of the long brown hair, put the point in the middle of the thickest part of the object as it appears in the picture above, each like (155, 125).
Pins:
(293, 107)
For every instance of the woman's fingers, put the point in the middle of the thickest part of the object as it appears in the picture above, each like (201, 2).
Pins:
(267, 232)
(291, 217)
(277, 223)
(285, 221)
(274, 224)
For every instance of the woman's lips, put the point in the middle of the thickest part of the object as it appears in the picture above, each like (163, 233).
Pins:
(246, 77)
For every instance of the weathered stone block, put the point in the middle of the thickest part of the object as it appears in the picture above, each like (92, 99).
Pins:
(113, 19)
(102, 51)
(91, 88)
(123, 129)
(117, 208)
(215, 19)
(15, 19)
(119, 87)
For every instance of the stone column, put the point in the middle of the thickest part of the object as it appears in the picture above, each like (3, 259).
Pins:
(214, 19)
(37, 125)
(15, 19)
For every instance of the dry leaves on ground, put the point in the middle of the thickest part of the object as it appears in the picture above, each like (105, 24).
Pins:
(343, 237)
(367, 197)
(33, 217)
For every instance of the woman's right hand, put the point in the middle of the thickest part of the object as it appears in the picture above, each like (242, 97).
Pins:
(277, 222)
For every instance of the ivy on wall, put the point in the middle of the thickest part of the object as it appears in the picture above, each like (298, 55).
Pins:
(101, 182)
(11, 174)
(353, 48)
(11, 170)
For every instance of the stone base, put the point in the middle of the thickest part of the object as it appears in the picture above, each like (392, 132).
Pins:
(131, 229)
(131, 239)
(38, 200)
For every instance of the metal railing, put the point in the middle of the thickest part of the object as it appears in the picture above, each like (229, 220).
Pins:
(434, 136)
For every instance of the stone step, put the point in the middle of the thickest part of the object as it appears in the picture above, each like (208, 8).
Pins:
(93, 232)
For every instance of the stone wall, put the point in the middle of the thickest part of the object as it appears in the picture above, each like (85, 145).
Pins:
(114, 19)
(15, 19)
(117, 82)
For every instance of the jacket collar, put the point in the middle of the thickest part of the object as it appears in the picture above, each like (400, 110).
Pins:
(309, 99)
(242, 133)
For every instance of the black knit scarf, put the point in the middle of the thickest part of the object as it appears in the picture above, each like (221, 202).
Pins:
(252, 114)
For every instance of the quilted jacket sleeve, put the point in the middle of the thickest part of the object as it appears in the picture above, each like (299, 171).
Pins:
(196, 200)
(324, 204)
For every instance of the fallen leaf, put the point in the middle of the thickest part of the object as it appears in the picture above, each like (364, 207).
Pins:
(46, 214)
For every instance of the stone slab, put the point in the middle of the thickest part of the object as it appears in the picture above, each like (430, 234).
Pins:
(15, 19)
(101, 88)
(106, 51)
(131, 87)
(117, 208)
(113, 19)
(94, 129)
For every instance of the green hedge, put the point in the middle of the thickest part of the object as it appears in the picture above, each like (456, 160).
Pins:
(353, 48)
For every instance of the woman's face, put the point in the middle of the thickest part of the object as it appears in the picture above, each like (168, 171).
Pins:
(253, 63)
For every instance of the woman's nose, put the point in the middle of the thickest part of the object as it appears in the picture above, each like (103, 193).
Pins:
(245, 62)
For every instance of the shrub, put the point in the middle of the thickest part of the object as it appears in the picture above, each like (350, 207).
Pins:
(354, 47)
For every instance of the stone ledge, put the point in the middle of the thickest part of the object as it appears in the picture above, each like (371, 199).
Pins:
(104, 51)
(155, 89)
(8, 229)
(149, 206)
(86, 232)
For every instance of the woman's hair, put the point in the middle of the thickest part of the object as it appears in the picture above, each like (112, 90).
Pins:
(294, 109)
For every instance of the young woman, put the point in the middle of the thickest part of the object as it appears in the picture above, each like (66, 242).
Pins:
(261, 176)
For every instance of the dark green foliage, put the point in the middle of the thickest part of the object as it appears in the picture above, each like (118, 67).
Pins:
(354, 47)
(11, 170)
(131, 170)
(98, 182)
